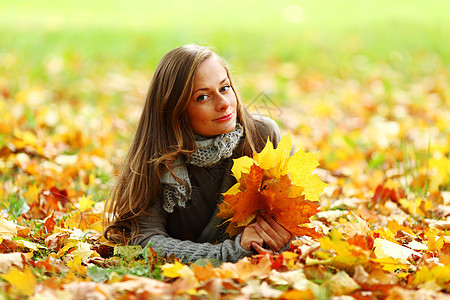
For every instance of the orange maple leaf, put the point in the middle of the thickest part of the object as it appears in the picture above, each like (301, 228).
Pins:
(249, 199)
(273, 196)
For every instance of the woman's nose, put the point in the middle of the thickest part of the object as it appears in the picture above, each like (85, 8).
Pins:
(222, 103)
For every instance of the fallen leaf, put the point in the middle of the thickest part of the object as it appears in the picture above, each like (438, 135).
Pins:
(24, 281)
(8, 229)
(256, 289)
(10, 259)
(385, 248)
(342, 284)
(176, 269)
(140, 285)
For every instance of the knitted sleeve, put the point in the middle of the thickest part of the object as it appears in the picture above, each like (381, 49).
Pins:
(188, 251)
(152, 230)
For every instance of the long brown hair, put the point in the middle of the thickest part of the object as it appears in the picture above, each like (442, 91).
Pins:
(163, 133)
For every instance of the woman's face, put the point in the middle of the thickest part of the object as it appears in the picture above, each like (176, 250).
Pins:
(212, 106)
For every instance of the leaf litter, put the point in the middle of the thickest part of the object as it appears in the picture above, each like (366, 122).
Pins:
(380, 225)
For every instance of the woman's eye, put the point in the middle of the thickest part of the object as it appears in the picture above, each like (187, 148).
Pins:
(202, 98)
(226, 88)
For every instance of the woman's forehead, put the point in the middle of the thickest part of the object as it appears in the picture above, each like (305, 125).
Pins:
(210, 71)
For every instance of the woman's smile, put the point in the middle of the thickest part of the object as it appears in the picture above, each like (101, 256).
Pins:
(225, 118)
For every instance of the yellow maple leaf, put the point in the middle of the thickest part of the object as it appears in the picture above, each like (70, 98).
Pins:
(31, 195)
(439, 274)
(391, 264)
(84, 251)
(75, 264)
(23, 281)
(274, 160)
(300, 166)
(442, 176)
(86, 203)
(84, 221)
(241, 165)
(177, 269)
(435, 243)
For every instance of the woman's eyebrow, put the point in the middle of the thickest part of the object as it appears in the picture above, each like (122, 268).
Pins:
(205, 89)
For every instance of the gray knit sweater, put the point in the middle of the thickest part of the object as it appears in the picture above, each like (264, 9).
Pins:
(194, 231)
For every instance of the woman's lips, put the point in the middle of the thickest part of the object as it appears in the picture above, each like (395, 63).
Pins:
(225, 118)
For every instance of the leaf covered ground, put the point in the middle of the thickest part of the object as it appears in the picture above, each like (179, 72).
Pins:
(365, 88)
(383, 217)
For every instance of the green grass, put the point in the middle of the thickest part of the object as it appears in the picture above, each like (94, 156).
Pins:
(317, 35)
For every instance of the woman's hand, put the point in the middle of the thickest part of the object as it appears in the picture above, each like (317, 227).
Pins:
(250, 237)
(273, 234)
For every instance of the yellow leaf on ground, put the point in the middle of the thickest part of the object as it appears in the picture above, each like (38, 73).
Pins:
(350, 229)
(435, 244)
(390, 264)
(75, 264)
(84, 221)
(31, 195)
(86, 203)
(438, 274)
(23, 281)
(442, 176)
(176, 270)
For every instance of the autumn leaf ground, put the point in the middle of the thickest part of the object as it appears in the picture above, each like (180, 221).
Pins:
(371, 94)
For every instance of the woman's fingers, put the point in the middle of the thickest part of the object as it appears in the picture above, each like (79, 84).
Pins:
(261, 250)
(249, 236)
(273, 222)
(275, 235)
(279, 229)
(265, 229)
(268, 234)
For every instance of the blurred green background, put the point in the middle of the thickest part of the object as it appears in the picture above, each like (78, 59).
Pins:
(261, 40)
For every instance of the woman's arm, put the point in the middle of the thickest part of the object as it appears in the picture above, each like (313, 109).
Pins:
(152, 230)
(188, 251)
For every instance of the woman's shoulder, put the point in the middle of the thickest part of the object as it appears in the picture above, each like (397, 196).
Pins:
(267, 128)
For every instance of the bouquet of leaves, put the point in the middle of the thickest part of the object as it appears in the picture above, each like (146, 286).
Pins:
(274, 182)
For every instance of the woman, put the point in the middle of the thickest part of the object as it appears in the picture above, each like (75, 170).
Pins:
(192, 125)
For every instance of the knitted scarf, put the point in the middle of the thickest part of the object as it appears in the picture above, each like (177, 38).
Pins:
(209, 152)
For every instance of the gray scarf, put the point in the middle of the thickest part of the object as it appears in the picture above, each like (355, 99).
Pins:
(209, 152)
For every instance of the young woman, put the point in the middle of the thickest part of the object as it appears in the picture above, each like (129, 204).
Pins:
(192, 125)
